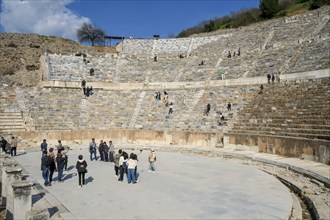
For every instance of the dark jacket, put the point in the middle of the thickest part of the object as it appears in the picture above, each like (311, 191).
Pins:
(60, 160)
(52, 166)
(81, 166)
(106, 148)
(45, 162)
(101, 147)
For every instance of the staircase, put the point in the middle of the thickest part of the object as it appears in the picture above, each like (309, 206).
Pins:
(11, 118)
(83, 113)
(293, 60)
(29, 125)
(181, 118)
(137, 109)
(320, 26)
(269, 38)
(190, 47)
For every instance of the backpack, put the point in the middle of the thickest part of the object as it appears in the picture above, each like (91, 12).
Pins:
(124, 165)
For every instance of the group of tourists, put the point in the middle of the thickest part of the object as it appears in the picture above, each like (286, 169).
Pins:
(238, 53)
(9, 147)
(167, 103)
(270, 78)
(87, 91)
(125, 165)
(105, 151)
(51, 162)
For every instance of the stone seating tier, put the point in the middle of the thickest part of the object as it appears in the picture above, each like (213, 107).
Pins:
(286, 45)
(68, 109)
(300, 109)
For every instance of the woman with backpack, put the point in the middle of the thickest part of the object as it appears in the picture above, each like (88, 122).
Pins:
(81, 169)
(123, 165)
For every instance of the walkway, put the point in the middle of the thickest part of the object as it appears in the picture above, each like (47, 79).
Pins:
(184, 187)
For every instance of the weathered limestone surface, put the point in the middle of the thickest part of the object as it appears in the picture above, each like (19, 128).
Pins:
(12, 174)
(40, 214)
(7, 163)
(22, 199)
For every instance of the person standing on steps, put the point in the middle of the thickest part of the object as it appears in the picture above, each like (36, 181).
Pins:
(208, 108)
(229, 106)
(268, 77)
(170, 111)
(81, 167)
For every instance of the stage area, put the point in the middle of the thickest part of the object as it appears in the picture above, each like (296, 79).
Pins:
(184, 187)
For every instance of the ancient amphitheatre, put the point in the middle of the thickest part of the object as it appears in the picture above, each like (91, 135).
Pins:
(285, 131)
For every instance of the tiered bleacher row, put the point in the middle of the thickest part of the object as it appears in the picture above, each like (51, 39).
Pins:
(284, 109)
(288, 45)
(67, 109)
(276, 112)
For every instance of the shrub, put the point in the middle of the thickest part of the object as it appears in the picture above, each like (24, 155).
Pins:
(12, 44)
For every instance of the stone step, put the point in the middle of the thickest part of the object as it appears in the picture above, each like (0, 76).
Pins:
(9, 130)
(287, 125)
(279, 133)
(10, 113)
(12, 126)
(282, 129)
(8, 123)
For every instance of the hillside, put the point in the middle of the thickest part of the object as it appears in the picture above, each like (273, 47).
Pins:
(20, 54)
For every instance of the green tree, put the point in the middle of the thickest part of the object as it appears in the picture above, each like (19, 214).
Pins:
(90, 33)
(245, 17)
(268, 8)
(210, 26)
(318, 3)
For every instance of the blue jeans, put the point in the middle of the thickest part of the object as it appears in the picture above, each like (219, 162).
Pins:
(131, 175)
(91, 155)
(45, 176)
(152, 166)
(60, 174)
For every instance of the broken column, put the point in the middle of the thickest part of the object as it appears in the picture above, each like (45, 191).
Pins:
(21, 202)
(6, 163)
(13, 174)
(2, 159)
